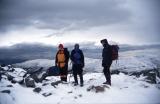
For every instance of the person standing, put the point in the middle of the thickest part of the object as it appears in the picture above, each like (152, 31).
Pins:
(61, 62)
(106, 60)
(77, 59)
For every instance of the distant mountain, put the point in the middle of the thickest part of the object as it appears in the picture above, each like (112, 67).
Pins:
(23, 52)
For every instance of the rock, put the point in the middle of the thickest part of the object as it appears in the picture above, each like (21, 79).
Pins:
(0, 76)
(44, 84)
(149, 74)
(115, 72)
(43, 76)
(13, 81)
(137, 74)
(97, 89)
(29, 82)
(70, 92)
(21, 82)
(46, 94)
(6, 91)
(3, 65)
(80, 95)
(35, 73)
(9, 77)
(75, 97)
(9, 86)
(56, 83)
(1, 69)
(151, 78)
(35, 77)
(38, 89)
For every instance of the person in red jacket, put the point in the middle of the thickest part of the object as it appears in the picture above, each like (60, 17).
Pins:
(61, 62)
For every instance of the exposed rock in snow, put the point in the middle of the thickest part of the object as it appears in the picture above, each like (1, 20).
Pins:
(6, 91)
(30, 82)
(97, 88)
(37, 89)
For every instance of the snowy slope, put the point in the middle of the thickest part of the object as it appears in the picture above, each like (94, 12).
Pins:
(125, 89)
(129, 61)
(37, 63)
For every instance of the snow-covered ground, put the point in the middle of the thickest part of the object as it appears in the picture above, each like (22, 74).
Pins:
(124, 89)
(136, 60)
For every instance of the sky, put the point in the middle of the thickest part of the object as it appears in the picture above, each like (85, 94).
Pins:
(79, 21)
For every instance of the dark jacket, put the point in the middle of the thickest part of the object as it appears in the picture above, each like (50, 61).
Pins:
(107, 56)
(66, 52)
(81, 57)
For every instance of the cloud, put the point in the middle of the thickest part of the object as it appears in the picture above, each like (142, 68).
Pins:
(130, 21)
(58, 14)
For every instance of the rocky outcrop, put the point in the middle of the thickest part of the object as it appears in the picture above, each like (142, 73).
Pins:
(150, 75)
(30, 82)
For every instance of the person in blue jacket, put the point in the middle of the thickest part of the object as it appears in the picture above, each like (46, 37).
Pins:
(77, 59)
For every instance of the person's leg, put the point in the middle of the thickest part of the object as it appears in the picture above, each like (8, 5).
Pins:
(62, 75)
(65, 74)
(74, 68)
(80, 73)
(107, 74)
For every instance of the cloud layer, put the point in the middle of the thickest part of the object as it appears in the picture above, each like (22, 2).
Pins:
(59, 14)
(134, 18)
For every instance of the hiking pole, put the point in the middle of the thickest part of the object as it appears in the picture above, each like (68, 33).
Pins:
(70, 76)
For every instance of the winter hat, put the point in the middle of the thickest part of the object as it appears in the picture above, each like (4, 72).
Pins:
(104, 41)
(60, 46)
(76, 46)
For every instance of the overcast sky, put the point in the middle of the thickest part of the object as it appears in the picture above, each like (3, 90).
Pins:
(71, 21)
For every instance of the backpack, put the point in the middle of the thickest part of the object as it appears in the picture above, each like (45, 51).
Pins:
(53, 71)
(115, 49)
(77, 57)
(61, 59)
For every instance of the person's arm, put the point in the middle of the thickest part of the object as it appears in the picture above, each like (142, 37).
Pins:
(56, 59)
(82, 55)
(67, 55)
(110, 54)
(104, 56)
(71, 56)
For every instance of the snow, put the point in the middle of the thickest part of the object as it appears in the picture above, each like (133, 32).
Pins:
(129, 61)
(124, 89)
(37, 63)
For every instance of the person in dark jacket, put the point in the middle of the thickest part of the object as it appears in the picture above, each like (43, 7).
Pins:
(106, 60)
(61, 61)
(77, 59)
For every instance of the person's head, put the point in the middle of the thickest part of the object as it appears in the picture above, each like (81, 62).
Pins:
(60, 47)
(76, 46)
(104, 42)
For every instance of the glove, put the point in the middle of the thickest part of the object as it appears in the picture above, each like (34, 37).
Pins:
(103, 64)
(82, 65)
